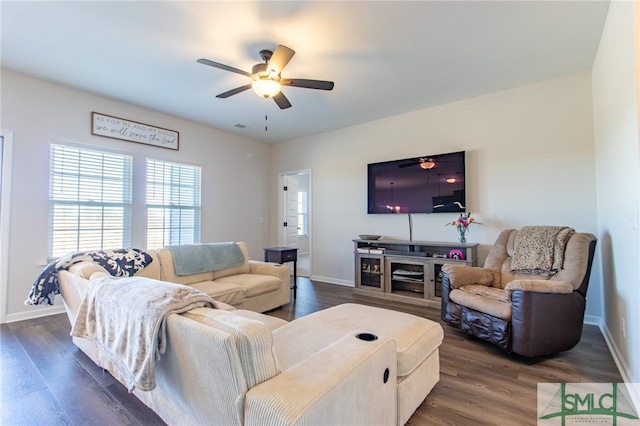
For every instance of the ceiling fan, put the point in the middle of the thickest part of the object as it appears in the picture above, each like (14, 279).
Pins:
(267, 81)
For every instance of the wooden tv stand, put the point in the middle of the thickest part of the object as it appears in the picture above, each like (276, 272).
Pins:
(406, 271)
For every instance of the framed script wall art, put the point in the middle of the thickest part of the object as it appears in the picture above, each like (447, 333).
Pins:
(132, 131)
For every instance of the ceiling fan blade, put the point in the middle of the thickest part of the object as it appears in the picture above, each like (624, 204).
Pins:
(413, 163)
(223, 67)
(282, 101)
(280, 58)
(234, 91)
(307, 84)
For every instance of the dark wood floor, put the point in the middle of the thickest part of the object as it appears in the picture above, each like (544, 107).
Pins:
(46, 380)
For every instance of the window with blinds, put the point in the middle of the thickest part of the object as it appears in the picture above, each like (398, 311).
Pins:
(173, 204)
(89, 200)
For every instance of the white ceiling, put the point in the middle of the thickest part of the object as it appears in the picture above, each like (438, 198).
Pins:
(385, 57)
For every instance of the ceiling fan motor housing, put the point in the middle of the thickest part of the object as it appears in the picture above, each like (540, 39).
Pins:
(266, 55)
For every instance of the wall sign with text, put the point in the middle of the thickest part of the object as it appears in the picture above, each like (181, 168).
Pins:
(127, 130)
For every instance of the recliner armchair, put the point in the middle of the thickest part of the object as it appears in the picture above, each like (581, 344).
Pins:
(526, 314)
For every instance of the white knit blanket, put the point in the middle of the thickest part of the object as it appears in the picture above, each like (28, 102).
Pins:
(126, 317)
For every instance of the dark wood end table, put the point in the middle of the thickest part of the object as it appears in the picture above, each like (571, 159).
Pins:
(281, 255)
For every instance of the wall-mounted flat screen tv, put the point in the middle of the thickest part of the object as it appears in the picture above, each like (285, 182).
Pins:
(428, 184)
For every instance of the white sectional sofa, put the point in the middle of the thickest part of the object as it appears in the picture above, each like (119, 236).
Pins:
(346, 365)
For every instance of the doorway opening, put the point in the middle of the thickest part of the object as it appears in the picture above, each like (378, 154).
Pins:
(294, 217)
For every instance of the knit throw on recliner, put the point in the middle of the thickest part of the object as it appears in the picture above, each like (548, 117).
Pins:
(539, 250)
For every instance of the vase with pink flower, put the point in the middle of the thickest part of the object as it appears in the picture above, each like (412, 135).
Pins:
(462, 224)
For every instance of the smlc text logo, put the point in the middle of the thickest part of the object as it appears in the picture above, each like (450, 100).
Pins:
(585, 404)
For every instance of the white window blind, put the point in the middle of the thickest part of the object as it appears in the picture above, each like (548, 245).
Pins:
(173, 204)
(89, 200)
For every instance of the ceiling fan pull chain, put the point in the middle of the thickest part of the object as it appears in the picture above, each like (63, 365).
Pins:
(265, 115)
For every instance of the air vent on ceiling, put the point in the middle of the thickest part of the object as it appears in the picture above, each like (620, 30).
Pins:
(239, 126)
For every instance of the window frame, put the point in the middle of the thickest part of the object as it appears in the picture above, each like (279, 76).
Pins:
(168, 233)
(57, 177)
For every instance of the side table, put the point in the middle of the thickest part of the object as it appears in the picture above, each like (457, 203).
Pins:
(281, 255)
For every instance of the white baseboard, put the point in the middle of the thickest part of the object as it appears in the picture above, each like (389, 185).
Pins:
(329, 280)
(623, 368)
(37, 312)
(592, 320)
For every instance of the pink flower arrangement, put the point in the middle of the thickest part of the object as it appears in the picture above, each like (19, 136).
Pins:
(462, 223)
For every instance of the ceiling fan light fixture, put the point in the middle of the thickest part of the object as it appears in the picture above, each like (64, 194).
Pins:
(266, 87)
(427, 164)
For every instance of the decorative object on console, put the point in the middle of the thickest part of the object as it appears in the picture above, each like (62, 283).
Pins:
(462, 223)
(456, 254)
(369, 237)
(371, 250)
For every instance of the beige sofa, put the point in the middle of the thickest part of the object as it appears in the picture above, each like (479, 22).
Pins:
(346, 365)
(254, 285)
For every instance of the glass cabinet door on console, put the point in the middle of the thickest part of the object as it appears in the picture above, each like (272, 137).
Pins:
(370, 272)
(435, 278)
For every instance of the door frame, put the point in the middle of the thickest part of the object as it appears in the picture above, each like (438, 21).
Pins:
(281, 212)
(5, 198)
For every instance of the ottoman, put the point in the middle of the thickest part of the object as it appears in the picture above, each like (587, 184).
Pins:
(417, 341)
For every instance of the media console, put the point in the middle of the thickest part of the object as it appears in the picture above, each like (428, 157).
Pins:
(407, 271)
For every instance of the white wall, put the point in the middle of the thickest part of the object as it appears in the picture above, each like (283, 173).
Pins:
(234, 186)
(616, 126)
(530, 161)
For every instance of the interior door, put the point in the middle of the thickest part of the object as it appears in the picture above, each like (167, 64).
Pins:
(290, 224)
